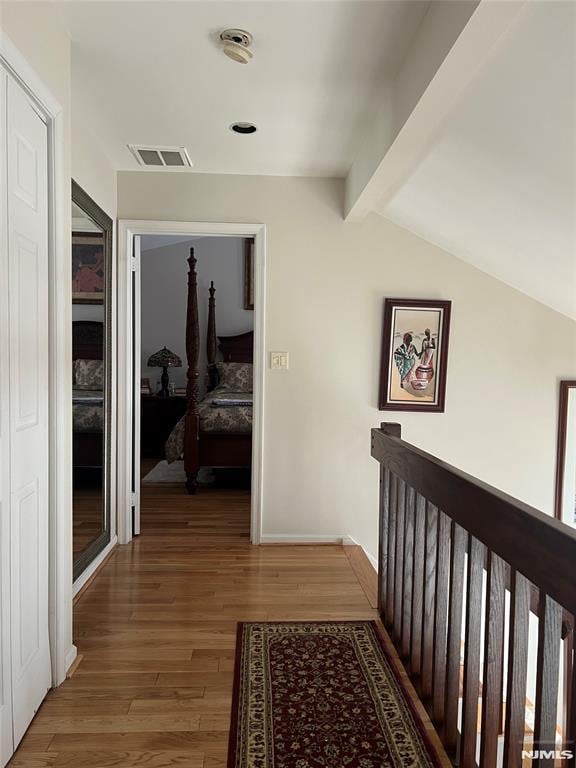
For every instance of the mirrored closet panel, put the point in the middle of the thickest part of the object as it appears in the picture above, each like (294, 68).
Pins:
(91, 377)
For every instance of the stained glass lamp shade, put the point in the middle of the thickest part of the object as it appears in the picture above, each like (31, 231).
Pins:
(164, 359)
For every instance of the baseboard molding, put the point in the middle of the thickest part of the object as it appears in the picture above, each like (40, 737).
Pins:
(290, 538)
(366, 573)
(71, 658)
(74, 666)
(85, 579)
(373, 561)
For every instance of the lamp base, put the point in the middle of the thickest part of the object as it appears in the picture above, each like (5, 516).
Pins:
(164, 381)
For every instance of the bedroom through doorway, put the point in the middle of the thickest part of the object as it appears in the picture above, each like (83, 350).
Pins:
(196, 383)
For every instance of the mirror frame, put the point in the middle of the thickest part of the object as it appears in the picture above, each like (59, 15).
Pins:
(93, 210)
(565, 386)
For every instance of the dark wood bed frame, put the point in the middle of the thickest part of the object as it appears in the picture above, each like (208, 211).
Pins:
(210, 449)
(88, 344)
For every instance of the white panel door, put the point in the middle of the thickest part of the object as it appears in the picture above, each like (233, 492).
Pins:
(28, 374)
(6, 738)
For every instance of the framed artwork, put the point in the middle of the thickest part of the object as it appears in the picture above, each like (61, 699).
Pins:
(414, 355)
(88, 268)
(249, 274)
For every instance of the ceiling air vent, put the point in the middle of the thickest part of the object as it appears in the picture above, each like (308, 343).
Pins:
(161, 157)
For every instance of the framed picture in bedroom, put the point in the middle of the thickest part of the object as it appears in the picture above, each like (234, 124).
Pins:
(414, 355)
(249, 273)
(88, 268)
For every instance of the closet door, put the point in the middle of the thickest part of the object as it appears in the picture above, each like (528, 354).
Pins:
(6, 738)
(27, 200)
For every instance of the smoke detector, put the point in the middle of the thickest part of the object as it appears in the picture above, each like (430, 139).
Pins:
(236, 45)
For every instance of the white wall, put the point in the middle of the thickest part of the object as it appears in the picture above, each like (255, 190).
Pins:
(326, 282)
(93, 171)
(164, 273)
(91, 168)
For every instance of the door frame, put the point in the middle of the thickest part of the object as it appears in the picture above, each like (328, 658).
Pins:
(127, 230)
(62, 650)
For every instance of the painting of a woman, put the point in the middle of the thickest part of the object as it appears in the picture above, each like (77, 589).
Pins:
(414, 355)
(405, 358)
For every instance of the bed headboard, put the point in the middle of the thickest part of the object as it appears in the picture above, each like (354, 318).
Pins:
(237, 349)
(87, 340)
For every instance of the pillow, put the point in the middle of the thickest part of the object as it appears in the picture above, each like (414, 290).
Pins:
(235, 377)
(89, 374)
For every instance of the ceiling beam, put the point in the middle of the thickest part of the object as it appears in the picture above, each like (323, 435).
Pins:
(421, 98)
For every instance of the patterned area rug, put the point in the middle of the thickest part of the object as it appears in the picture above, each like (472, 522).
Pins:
(166, 473)
(321, 695)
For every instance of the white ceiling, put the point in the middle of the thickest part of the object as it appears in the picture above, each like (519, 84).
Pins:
(153, 73)
(497, 186)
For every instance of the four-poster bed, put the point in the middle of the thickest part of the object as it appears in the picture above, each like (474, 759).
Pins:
(217, 429)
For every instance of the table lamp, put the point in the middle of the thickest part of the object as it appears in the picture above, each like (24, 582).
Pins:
(164, 359)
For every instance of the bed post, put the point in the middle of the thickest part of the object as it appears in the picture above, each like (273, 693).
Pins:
(192, 423)
(211, 340)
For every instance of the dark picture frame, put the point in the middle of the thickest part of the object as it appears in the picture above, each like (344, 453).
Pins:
(88, 264)
(414, 355)
(249, 273)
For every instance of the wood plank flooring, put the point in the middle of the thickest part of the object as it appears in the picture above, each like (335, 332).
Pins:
(87, 518)
(157, 630)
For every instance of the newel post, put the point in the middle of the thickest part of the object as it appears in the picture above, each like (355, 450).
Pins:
(391, 428)
(386, 538)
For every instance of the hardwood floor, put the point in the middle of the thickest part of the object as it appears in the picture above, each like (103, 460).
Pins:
(157, 632)
(87, 518)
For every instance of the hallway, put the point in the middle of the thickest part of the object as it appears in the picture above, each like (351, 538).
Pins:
(157, 627)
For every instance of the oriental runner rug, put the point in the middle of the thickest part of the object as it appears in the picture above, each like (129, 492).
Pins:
(322, 695)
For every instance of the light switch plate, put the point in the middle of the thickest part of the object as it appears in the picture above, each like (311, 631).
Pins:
(279, 360)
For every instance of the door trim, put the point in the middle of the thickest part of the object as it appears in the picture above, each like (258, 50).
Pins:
(62, 649)
(127, 230)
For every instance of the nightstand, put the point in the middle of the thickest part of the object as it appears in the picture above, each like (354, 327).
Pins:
(159, 416)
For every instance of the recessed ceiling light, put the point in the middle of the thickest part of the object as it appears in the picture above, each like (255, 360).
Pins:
(244, 128)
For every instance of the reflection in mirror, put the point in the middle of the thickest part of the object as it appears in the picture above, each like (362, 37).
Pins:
(566, 455)
(91, 255)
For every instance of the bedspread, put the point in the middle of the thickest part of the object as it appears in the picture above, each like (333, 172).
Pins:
(231, 418)
(87, 410)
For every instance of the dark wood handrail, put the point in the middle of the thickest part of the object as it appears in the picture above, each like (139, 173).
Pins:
(451, 549)
(542, 548)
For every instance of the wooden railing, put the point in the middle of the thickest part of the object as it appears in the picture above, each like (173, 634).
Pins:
(460, 565)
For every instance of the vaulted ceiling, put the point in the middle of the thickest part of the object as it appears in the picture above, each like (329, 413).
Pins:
(496, 184)
(454, 119)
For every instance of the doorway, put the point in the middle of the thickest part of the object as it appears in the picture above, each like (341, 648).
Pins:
(132, 381)
(197, 307)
